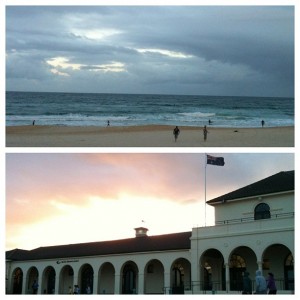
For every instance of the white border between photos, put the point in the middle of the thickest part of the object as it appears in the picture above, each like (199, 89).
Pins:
(4, 150)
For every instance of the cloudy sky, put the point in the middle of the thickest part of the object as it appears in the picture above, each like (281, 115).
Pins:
(206, 50)
(67, 198)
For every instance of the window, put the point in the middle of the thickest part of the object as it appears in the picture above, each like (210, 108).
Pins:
(262, 211)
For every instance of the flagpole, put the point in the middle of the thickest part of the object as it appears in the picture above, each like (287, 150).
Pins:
(205, 191)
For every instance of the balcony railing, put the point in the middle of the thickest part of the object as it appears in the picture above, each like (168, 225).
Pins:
(251, 219)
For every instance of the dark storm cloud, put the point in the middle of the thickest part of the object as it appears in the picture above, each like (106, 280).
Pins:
(246, 50)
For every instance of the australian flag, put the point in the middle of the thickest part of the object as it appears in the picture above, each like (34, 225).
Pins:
(216, 161)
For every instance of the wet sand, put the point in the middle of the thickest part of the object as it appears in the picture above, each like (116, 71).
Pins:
(146, 136)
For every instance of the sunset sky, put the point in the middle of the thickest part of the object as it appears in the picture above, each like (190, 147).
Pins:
(63, 198)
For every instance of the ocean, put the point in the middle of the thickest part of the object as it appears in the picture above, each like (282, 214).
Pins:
(83, 109)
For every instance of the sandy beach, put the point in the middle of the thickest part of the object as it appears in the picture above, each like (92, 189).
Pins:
(146, 136)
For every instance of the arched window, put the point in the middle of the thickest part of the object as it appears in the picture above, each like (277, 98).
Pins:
(237, 261)
(129, 279)
(262, 211)
(237, 266)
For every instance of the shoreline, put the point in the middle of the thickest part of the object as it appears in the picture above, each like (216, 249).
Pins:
(147, 136)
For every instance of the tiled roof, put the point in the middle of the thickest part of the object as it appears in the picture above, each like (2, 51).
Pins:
(175, 241)
(280, 182)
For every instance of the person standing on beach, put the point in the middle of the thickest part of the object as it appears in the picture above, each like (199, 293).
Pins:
(176, 132)
(262, 123)
(205, 133)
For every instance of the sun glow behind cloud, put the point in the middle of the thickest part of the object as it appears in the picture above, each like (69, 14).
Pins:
(169, 43)
(105, 219)
(169, 53)
(96, 34)
(65, 64)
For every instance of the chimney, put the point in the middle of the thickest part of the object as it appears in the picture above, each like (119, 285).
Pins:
(140, 231)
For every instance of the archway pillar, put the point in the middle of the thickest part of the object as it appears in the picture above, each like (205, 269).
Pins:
(117, 283)
(24, 283)
(56, 287)
(95, 283)
(40, 280)
(141, 281)
(75, 281)
(227, 277)
(200, 278)
(259, 265)
(167, 280)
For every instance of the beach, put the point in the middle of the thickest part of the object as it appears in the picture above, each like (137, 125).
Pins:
(147, 136)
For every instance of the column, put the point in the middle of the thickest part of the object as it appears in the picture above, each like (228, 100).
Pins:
(140, 283)
(95, 284)
(117, 283)
(75, 281)
(167, 284)
(259, 265)
(227, 277)
(24, 281)
(201, 276)
(56, 287)
(39, 280)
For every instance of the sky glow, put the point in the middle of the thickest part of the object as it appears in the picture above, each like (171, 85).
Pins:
(75, 198)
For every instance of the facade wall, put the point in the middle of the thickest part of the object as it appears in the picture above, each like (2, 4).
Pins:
(215, 262)
(103, 282)
(243, 209)
(263, 244)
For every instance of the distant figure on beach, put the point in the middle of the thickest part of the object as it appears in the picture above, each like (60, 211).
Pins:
(209, 121)
(262, 123)
(108, 123)
(176, 132)
(33, 122)
(205, 133)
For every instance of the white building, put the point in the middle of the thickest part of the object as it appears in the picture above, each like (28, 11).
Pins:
(254, 229)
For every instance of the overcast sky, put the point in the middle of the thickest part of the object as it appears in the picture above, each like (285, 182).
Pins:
(67, 198)
(206, 50)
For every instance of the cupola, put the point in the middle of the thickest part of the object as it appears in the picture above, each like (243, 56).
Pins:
(140, 231)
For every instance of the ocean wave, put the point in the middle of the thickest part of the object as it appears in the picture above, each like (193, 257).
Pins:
(126, 110)
(197, 114)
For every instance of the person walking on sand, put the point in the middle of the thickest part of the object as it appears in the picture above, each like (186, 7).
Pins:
(176, 132)
(205, 133)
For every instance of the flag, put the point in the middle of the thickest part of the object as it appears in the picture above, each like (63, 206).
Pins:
(216, 161)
